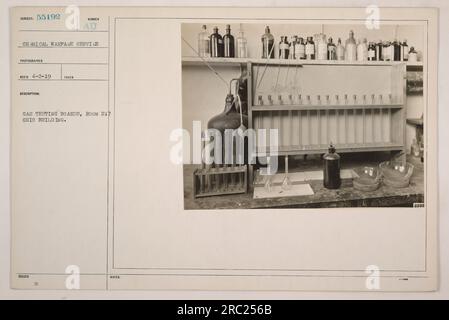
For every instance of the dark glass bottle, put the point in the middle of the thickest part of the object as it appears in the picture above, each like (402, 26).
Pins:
(379, 48)
(228, 43)
(331, 50)
(216, 44)
(310, 49)
(283, 48)
(267, 44)
(331, 169)
(396, 50)
(372, 52)
(404, 49)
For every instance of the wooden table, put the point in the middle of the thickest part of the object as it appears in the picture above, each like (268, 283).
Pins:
(346, 196)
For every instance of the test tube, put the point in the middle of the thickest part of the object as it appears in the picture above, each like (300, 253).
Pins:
(328, 101)
(373, 99)
(318, 98)
(337, 99)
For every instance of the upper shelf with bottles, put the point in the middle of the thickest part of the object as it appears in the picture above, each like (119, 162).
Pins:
(197, 61)
(317, 50)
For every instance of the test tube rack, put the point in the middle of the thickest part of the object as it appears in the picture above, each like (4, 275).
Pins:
(220, 180)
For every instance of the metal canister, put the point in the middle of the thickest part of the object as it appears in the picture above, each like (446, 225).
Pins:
(331, 169)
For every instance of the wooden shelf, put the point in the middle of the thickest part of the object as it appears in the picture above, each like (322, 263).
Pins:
(341, 148)
(415, 121)
(235, 62)
(293, 107)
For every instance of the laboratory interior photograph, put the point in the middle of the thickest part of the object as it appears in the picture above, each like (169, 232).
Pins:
(303, 114)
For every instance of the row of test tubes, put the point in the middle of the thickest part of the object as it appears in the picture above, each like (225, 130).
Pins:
(299, 99)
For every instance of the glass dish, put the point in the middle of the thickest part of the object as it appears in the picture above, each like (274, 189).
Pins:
(368, 178)
(396, 173)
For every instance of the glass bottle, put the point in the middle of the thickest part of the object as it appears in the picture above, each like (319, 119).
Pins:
(286, 183)
(404, 49)
(321, 47)
(242, 45)
(379, 50)
(396, 50)
(267, 44)
(228, 43)
(310, 49)
(412, 55)
(415, 149)
(291, 50)
(386, 51)
(283, 48)
(203, 43)
(362, 51)
(216, 44)
(331, 50)
(300, 49)
(372, 52)
(340, 50)
(331, 169)
(351, 48)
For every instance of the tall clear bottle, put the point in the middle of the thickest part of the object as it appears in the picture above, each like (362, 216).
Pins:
(340, 50)
(242, 45)
(351, 48)
(291, 50)
(228, 43)
(203, 43)
(267, 44)
(362, 51)
(216, 44)
(321, 47)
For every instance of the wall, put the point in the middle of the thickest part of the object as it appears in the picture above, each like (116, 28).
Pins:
(204, 93)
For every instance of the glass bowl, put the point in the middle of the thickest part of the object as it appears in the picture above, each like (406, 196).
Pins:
(368, 178)
(396, 173)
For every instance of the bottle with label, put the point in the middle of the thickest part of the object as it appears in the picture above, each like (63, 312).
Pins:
(372, 52)
(379, 50)
(228, 43)
(331, 50)
(216, 44)
(331, 169)
(412, 55)
(396, 50)
(310, 49)
(267, 44)
(283, 48)
(242, 46)
(386, 51)
(351, 48)
(203, 43)
(321, 47)
(291, 49)
(362, 51)
(404, 49)
(300, 49)
(340, 50)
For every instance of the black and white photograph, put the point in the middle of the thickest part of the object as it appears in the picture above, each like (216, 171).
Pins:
(303, 114)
